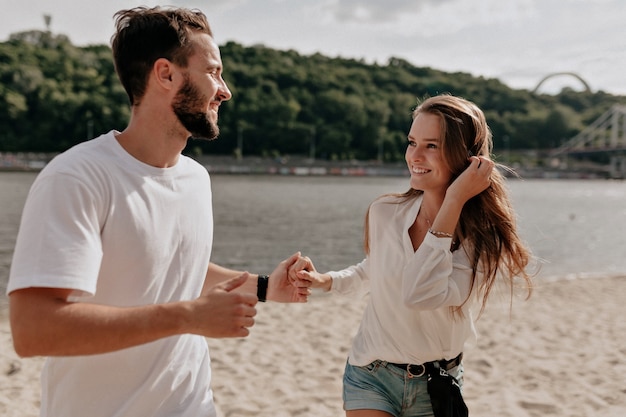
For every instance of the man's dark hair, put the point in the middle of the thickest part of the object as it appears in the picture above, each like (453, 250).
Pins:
(144, 35)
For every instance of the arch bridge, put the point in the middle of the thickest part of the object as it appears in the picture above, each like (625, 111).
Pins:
(566, 73)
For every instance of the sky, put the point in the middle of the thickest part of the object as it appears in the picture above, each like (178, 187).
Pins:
(519, 42)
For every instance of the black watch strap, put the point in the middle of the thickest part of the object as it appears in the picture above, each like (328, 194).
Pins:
(261, 288)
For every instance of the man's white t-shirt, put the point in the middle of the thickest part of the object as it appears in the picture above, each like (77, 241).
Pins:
(122, 233)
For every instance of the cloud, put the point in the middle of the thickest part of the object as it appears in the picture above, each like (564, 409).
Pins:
(519, 41)
(218, 5)
(428, 18)
(375, 11)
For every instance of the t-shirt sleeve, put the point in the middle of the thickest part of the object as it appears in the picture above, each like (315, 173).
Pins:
(58, 243)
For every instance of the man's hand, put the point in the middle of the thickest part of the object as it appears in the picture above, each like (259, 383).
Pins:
(222, 312)
(303, 274)
(280, 288)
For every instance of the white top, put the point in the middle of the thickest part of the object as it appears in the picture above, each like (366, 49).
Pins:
(407, 318)
(123, 233)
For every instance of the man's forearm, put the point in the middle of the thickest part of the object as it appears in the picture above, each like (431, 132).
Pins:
(217, 274)
(50, 326)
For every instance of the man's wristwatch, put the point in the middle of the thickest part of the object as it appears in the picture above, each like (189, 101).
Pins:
(261, 288)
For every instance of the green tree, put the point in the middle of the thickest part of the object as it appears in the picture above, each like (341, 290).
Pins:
(54, 95)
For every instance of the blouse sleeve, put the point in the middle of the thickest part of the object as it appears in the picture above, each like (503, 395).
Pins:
(436, 277)
(351, 281)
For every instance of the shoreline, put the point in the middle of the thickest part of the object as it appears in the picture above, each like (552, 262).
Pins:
(300, 166)
(559, 354)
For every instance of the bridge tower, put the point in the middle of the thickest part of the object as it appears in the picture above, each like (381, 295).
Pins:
(606, 134)
(617, 167)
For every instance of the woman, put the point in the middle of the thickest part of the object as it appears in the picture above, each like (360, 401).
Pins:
(432, 253)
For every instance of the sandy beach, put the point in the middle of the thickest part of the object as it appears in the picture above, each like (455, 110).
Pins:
(558, 354)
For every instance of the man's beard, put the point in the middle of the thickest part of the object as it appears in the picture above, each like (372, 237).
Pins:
(188, 106)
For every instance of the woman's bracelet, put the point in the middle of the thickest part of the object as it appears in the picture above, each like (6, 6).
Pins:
(439, 234)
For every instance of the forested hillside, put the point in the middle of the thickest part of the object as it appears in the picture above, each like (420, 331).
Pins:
(54, 94)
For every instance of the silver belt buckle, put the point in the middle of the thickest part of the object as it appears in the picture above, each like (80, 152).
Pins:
(422, 370)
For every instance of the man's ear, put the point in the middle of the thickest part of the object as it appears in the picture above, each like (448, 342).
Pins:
(162, 70)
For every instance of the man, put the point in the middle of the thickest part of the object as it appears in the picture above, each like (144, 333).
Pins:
(111, 276)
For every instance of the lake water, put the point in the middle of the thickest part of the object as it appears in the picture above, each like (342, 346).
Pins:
(577, 227)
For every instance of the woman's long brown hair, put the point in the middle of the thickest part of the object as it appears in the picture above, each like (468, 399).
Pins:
(487, 222)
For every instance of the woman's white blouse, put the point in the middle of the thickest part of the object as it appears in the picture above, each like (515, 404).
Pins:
(407, 318)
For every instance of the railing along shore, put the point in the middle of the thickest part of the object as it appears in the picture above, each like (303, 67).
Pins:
(228, 165)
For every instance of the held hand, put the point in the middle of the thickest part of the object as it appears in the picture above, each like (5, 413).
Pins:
(281, 289)
(304, 274)
(474, 180)
(221, 312)
(301, 263)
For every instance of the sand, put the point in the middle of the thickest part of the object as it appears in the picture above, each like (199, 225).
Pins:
(559, 354)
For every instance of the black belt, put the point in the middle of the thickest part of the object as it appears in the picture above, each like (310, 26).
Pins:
(419, 370)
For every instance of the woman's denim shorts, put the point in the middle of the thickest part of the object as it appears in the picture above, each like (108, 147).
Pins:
(386, 387)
